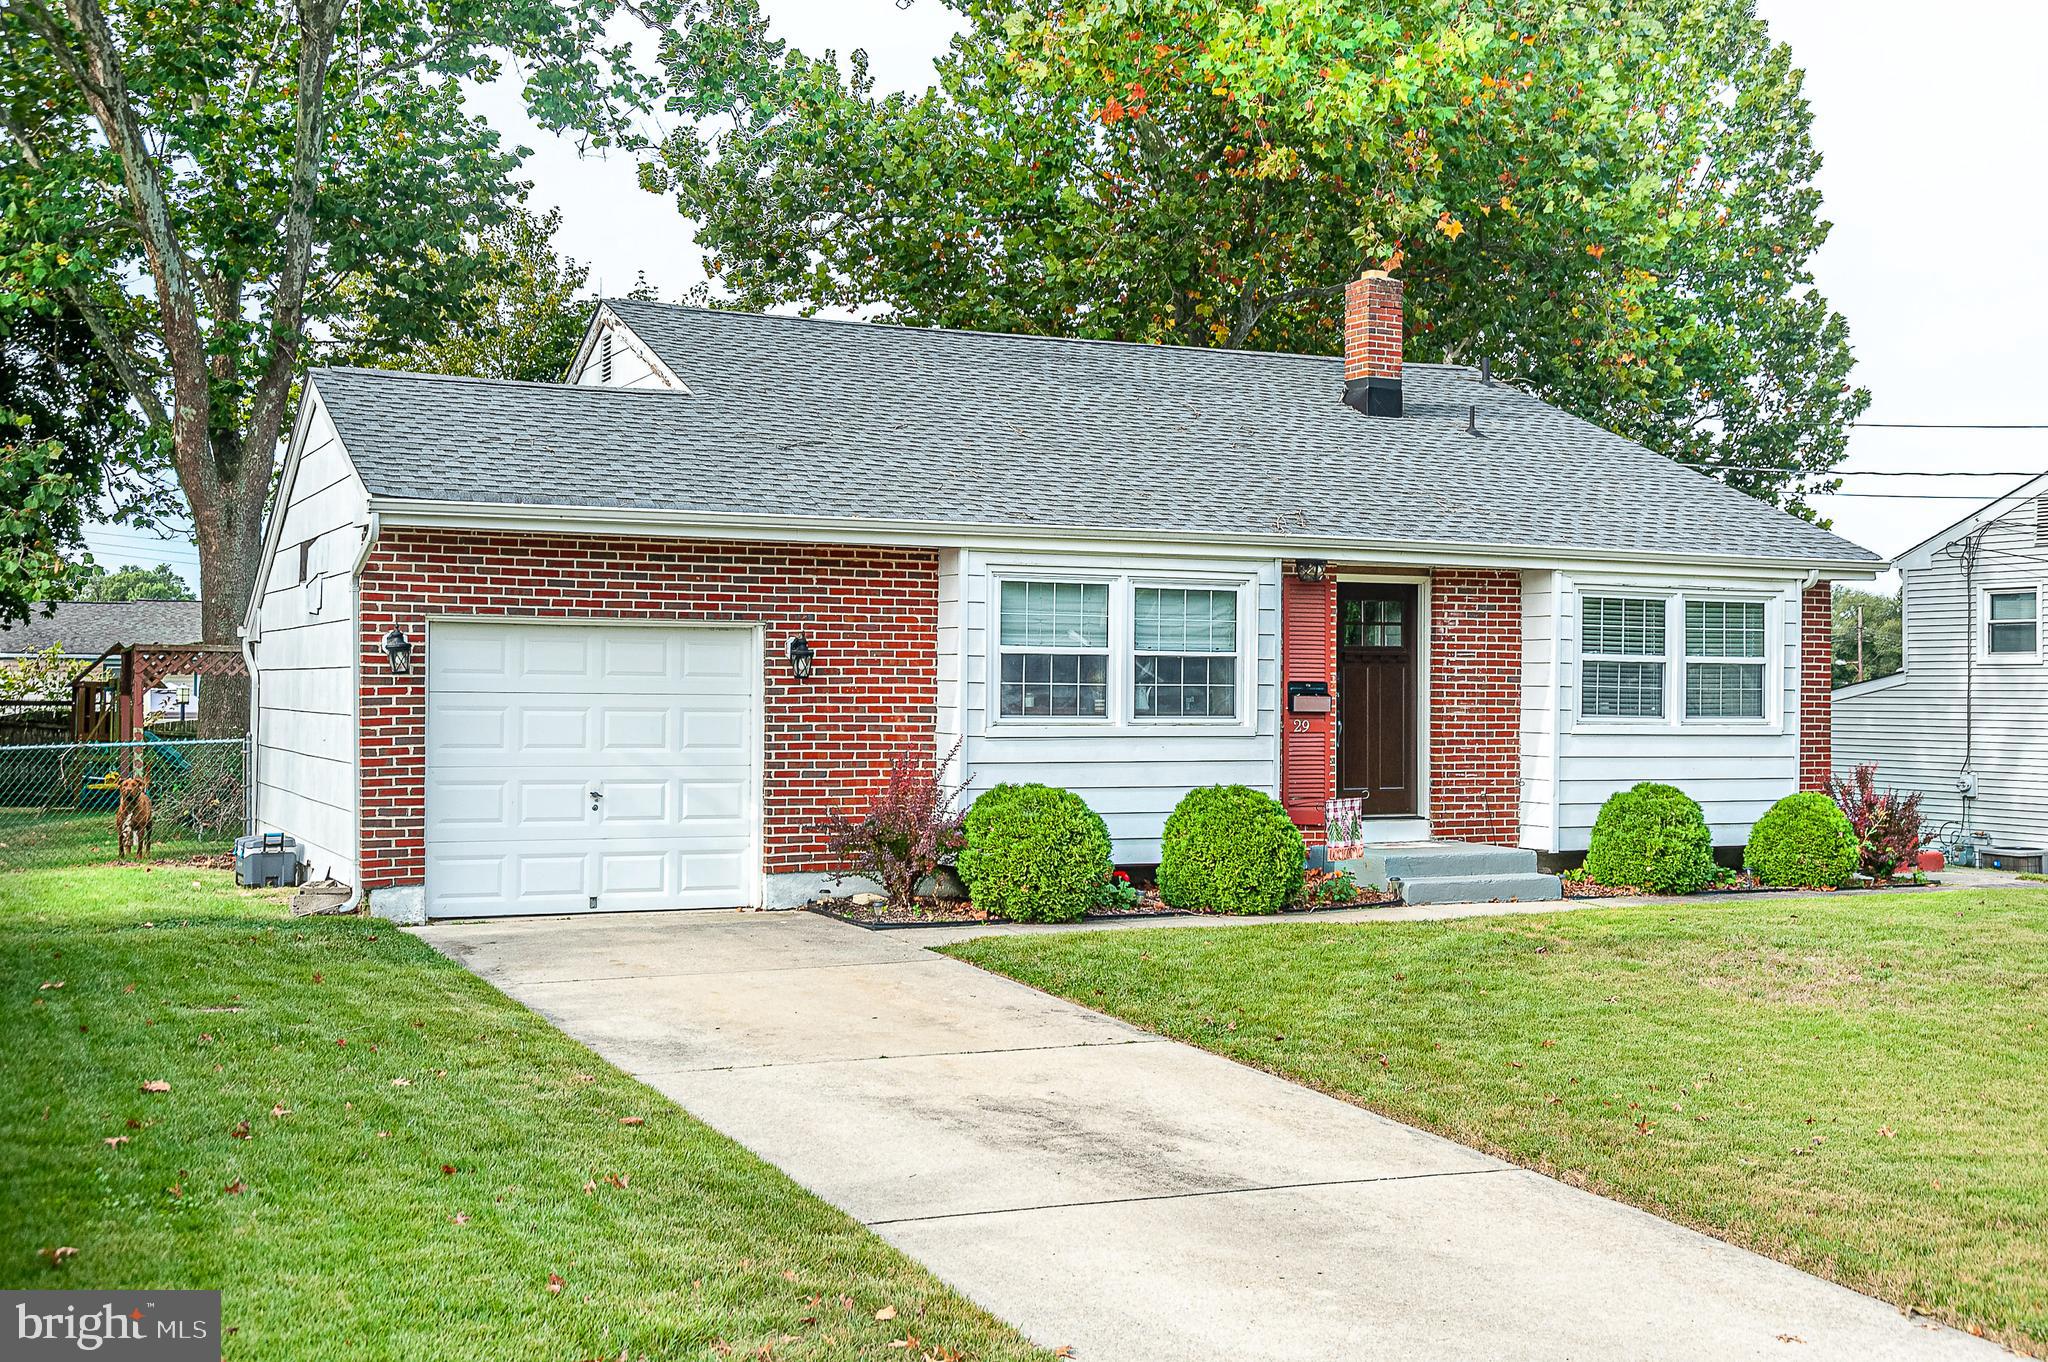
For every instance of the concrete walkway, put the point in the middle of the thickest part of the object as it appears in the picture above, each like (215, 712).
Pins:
(1138, 1199)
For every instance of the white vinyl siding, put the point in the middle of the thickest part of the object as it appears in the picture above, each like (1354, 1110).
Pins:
(1912, 724)
(1131, 769)
(1735, 767)
(305, 781)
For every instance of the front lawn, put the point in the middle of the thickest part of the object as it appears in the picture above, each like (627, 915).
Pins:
(1857, 1085)
(375, 1154)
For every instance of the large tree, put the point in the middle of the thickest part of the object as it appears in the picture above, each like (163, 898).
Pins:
(1613, 202)
(197, 183)
(130, 583)
(61, 410)
(525, 316)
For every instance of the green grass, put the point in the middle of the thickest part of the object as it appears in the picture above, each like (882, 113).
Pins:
(35, 840)
(375, 1154)
(1856, 1085)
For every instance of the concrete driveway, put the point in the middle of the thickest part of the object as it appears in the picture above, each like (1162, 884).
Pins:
(1135, 1198)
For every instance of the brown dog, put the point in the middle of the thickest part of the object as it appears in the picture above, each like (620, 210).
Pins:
(132, 820)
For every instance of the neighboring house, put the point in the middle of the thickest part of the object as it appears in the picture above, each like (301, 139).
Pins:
(661, 618)
(88, 630)
(1966, 721)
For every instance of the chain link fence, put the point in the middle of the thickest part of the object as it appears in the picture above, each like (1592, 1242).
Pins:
(59, 801)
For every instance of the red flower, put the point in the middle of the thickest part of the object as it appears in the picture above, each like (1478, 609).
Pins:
(1123, 875)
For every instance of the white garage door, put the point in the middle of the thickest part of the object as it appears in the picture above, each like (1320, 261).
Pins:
(579, 768)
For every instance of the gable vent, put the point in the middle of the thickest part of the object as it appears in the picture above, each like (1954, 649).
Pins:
(604, 358)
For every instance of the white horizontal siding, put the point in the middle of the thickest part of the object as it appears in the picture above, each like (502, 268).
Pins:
(1912, 726)
(305, 656)
(1540, 680)
(1131, 774)
(1735, 774)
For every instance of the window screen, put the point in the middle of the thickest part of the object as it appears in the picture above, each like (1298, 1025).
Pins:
(1724, 688)
(1621, 669)
(1053, 644)
(1184, 645)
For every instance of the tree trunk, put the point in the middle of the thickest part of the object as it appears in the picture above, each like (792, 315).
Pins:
(227, 523)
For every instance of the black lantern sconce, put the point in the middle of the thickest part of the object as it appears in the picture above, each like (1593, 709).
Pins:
(1311, 569)
(801, 658)
(398, 648)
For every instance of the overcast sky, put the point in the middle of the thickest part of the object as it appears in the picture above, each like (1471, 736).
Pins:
(1939, 257)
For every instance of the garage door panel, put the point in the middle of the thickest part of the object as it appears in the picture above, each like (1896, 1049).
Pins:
(526, 720)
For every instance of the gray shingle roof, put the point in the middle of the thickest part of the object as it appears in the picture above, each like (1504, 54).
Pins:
(89, 628)
(788, 416)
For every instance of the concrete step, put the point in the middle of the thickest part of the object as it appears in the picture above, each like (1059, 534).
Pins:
(1406, 861)
(1526, 888)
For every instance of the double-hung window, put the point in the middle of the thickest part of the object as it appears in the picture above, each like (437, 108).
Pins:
(1724, 659)
(1184, 653)
(2012, 623)
(1621, 657)
(1052, 639)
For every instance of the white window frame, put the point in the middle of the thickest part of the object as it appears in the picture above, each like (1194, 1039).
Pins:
(1675, 661)
(997, 651)
(1984, 653)
(1244, 667)
(1120, 708)
(1661, 660)
(1773, 646)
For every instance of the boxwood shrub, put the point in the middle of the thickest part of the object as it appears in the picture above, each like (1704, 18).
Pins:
(1804, 842)
(1231, 849)
(1034, 854)
(1652, 837)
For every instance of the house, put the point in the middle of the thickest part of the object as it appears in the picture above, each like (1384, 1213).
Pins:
(95, 635)
(621, 641)
(1965, 722)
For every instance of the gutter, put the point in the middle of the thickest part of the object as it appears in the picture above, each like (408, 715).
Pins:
(948, 534)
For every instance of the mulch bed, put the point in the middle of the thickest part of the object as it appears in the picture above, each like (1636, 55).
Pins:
(1740, 884)
(930, 912)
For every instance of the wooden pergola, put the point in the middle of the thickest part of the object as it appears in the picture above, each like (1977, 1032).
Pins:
(107, 703)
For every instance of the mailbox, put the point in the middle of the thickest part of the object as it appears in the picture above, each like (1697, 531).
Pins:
(1308, 697)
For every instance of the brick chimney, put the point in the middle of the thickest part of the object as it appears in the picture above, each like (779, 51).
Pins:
(1372, 344)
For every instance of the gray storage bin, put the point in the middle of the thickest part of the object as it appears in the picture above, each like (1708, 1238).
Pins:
(268, 860)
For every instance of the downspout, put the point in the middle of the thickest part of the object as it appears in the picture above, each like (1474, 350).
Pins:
(1966, 784)
(249, 642)
(371, 530)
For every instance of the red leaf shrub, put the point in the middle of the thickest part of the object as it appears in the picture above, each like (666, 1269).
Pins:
(908, 830)
(1887, 823)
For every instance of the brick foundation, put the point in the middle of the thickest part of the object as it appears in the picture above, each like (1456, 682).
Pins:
(1475, 705)
(872, 615)
(1816, 686)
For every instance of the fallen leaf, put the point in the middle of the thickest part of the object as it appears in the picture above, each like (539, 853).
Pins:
(1064, 1350)
(127, 988)
(1790, 1338)
(401, 1082)
(619, 1180)
(236, 1188)
(789, 1274)
(58, 1256)
(279, 1110)
(448, 1169)
(54, 983)
(554, 1283)
(632, 1120)
(1887, 1132)
(383, 1134)
(886, 1312)
(584, 1078)
(156, 1085)
(590, 1189)
(241, 1131)
(459, 1218)
(115, 1141)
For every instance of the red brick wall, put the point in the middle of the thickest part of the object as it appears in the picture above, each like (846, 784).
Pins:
(872, 615)
(1372, 326)
(1816, 686)
(1475, 705)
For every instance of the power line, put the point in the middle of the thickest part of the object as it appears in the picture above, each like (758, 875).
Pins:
(1948, 425)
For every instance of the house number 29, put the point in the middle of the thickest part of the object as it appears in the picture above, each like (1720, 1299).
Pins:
(1301, 725)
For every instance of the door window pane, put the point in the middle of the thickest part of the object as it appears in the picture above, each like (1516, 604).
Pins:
(1372, 623)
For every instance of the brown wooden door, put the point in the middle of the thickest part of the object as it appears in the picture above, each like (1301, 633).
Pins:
(1376, 629)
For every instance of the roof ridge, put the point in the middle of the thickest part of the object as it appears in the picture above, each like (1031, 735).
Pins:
(1162, 346)
(481, 382)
